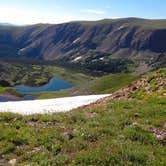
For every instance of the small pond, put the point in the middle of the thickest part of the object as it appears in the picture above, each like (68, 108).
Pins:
(55, 84)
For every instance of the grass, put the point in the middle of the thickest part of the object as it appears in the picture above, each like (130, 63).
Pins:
(69, 75)
(48, 95)
(11, 91)
(83, 84)
(118, 133)
(154, 83)
(110, 83)
(92, 85)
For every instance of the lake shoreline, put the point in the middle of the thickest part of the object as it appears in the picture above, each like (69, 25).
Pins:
(9, 97)
(54, 84)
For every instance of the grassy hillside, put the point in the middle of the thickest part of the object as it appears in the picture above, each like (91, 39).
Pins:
(99, 85)
(145, 23)
(119, 133)
(49, 95)
(14, 73)
(36, 74)
(153, 83)
(105, 84)
(111, 83)
(123, 131)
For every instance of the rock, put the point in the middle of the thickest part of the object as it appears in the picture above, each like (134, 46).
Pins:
(68, 135)
(135, 124)
(164, 125)
(90, 114)
(12, 162)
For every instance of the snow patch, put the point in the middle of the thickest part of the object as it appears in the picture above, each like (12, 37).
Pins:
(49, 105)
(77, 59)
(102, 58)
(122, 27)
(75, 41)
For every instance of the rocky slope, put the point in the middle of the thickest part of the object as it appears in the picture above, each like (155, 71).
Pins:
(149, 85)
(106, 45)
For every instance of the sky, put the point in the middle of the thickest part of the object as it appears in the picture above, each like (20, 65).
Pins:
(23, 12)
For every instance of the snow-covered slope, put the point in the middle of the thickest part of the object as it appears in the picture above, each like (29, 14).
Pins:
(48, 106)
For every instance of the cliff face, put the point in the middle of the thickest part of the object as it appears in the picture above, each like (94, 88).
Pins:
(88, 43)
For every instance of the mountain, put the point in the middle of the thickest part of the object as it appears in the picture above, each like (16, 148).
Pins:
(6, 24)
(110, 45)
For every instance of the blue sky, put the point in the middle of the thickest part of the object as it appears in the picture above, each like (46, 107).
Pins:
(58, 11)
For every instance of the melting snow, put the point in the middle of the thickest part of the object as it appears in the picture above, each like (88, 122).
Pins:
(48, 105)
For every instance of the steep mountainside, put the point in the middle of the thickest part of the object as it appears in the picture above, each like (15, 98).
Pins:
(106, 45)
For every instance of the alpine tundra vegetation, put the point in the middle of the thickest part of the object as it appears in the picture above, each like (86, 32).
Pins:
(83, 83)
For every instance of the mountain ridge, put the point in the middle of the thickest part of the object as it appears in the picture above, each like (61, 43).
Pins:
(96, 45)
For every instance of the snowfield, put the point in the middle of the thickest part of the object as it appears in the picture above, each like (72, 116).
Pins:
(49, 105)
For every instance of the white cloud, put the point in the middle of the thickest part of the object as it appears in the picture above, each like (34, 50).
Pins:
(93, 11)
(21, 16)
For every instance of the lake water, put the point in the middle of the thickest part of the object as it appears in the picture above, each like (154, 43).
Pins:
(6, 99)
(55, 84)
